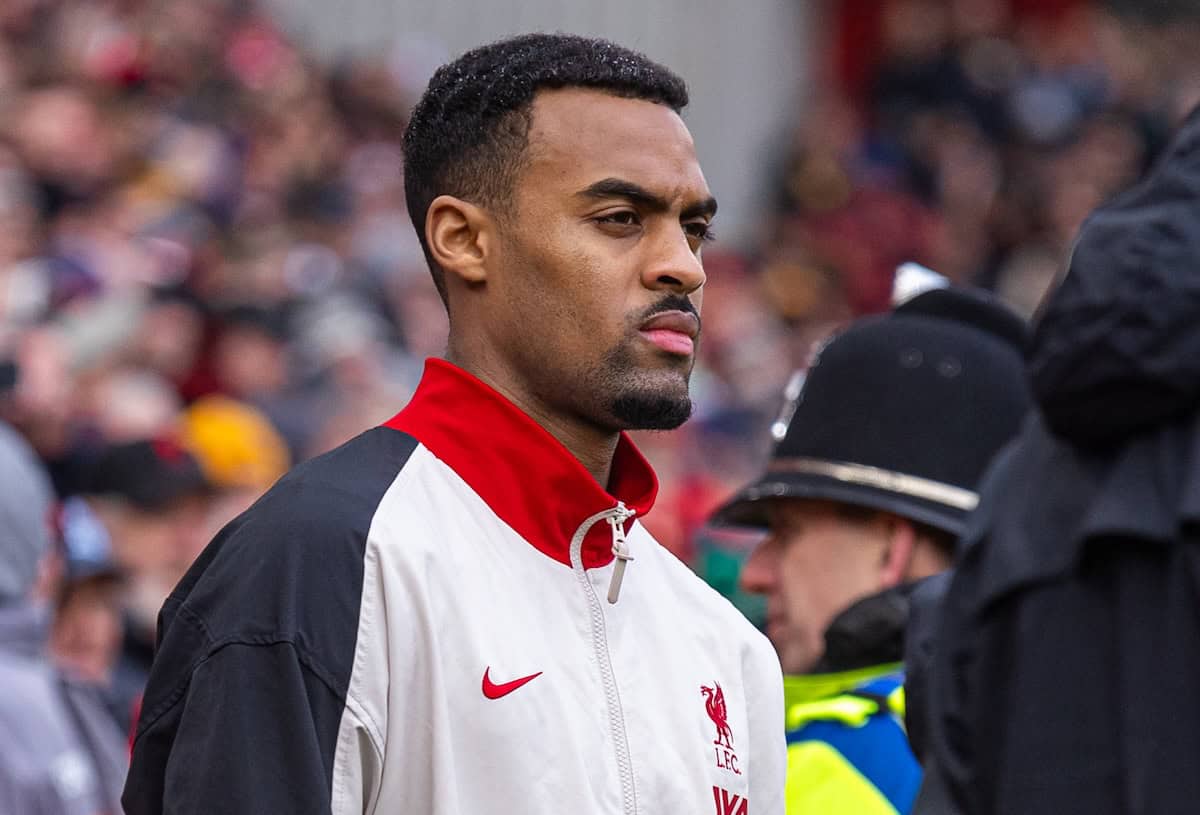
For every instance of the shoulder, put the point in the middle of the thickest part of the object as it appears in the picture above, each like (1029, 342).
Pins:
(820, 779)
(31, 695)
(321, 501)
(853, 706)
(293, 562)
(33, 718)
(20, 673)
(701, 601)
(859, 732)
(340, 489)
(686, 585)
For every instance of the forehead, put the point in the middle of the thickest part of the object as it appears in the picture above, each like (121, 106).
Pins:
(580, 136)
(786, 512)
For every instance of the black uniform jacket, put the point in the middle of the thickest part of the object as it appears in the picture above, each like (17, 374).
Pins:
(1064, 676)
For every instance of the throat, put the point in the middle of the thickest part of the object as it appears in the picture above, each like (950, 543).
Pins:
(594, 447)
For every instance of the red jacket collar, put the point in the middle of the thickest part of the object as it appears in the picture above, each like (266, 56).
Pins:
(524, 474)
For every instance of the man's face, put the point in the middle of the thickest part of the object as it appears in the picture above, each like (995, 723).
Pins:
(596, 285)
(814, 563)
(86, 637)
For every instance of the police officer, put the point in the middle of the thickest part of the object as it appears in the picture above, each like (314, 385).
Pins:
(880, 448)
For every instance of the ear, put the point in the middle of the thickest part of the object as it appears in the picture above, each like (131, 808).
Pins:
(459, 235)
(901, 544)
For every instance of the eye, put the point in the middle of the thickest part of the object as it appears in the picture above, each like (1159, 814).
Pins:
(699, 230)
(624, 217)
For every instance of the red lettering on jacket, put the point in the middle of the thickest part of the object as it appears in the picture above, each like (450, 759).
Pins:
(726, 760)
(727, 803)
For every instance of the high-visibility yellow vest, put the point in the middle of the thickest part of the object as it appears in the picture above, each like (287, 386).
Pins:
(847, 750)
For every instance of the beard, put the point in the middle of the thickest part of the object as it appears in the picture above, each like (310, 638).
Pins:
(644, 411)
(644, 401)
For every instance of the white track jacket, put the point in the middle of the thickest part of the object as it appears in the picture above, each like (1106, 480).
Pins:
(422, 621)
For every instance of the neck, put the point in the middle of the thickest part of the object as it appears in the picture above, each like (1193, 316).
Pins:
(594, 447)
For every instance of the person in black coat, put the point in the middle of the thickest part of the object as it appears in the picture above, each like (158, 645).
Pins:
(1057, 673)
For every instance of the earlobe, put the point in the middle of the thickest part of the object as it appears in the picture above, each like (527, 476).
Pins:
(458, 234)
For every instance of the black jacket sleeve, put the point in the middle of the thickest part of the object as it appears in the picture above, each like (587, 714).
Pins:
(253, 731)
(256, 650)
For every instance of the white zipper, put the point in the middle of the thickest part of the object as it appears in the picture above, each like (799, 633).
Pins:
(617, 516)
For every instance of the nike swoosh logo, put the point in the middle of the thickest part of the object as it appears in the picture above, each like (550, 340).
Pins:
(493, 691)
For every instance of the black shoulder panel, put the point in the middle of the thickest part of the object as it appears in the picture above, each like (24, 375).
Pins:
(288, 570)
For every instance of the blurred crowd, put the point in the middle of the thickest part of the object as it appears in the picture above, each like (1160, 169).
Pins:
(972, 136)
(206, 275)
(207, 272)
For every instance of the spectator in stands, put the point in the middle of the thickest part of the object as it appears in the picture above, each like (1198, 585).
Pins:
(60, 754)
(141, 519)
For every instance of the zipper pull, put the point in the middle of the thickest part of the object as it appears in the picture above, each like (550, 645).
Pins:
(620, 549)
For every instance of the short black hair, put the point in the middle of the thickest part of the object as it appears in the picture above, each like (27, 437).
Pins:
(467, 135)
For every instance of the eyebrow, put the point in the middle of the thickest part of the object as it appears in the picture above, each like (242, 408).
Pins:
(637, 194)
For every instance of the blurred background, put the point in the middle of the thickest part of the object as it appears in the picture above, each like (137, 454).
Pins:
(207, 273)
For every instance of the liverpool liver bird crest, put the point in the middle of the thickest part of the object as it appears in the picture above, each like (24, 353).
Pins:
(714, 705)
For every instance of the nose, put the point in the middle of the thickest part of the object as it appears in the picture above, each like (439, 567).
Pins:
(674, 265)
(760, 572)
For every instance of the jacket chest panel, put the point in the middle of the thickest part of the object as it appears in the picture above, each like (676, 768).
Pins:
(492, 641)
(494, 647)
(694, 673)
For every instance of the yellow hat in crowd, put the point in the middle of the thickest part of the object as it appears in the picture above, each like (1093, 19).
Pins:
(236, 445)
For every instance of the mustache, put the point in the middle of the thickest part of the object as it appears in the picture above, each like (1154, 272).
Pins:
(672, 302)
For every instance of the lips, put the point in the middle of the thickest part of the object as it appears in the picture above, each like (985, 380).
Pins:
(672, 331)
